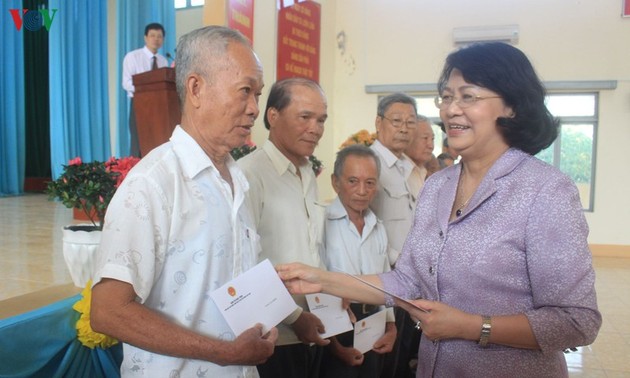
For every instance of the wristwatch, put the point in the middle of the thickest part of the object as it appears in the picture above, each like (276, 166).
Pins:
(486, 327)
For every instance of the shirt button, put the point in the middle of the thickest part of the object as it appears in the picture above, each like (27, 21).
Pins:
(431, 270)
(441, 234)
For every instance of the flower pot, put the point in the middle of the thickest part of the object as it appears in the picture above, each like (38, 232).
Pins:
(79, 214)
(80, 243)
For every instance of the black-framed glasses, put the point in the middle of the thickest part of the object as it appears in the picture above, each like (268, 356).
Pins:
(463, 102)
(411, 123)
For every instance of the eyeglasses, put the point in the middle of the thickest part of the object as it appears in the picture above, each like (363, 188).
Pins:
(398, 123)
(463, 102)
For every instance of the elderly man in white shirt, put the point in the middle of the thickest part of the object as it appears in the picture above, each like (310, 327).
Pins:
(355, 242)
(283, 197)
(395, 202)
(178, 227)
(138, 61)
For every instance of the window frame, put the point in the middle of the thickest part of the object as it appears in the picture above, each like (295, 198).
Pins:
(187, 6)
(565, 121)
(579, 120)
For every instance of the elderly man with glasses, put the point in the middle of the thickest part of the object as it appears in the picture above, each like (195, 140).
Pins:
(394, 203)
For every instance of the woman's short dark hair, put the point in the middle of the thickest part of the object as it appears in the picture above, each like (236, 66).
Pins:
(280, 94)
(505, 70)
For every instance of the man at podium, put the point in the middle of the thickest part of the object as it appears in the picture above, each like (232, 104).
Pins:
(138, 61)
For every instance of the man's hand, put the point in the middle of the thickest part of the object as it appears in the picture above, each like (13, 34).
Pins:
(345, 304)
(386, 343)
(308, 328)
(251, 347)
(348, 355)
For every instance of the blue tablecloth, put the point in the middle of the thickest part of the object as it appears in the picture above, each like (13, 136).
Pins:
(43, 343)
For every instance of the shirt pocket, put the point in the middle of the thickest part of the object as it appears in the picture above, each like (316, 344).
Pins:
(250, 246)
(398, 204)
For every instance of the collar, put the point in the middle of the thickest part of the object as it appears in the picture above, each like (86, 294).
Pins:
(148, 52)
(336, 211)
(194, 160)
(390, 159)
(505, 165)
(280, 162)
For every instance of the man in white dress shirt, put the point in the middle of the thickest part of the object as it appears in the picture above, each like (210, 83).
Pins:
(178, 227)
(396, 120)
(394, 204)
(283, 198)
(139, 61)
(355, 242)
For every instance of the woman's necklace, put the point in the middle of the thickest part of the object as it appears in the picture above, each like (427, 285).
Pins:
(461, 207)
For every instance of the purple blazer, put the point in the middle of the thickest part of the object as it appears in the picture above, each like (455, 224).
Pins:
(519, 247)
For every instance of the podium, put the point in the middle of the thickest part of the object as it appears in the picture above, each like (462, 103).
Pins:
(156, 105)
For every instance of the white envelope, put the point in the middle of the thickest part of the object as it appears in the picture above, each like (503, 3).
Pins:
(256, 296)
(367, 331)
(329, 310)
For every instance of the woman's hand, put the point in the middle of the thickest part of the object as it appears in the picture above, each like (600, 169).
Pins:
(441, 322)
(300, 278)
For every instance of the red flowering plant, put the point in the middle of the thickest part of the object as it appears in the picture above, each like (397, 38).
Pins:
(90, 186)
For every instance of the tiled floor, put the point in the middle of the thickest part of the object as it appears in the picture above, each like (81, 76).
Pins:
(31, 260)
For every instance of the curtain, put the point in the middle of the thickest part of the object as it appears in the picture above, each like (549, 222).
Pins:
(36, 87)
(79, 106)
(132, 17)
(12, 122)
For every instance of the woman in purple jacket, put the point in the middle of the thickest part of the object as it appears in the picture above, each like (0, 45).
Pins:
(498, 251)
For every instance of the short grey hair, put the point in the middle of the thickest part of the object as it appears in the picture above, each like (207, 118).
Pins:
(395, 98)
(200, 52)
(354, 150)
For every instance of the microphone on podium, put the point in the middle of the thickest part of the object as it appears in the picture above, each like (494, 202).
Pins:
(170, 57)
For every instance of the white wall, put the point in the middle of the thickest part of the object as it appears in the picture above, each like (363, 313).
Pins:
(406, 41)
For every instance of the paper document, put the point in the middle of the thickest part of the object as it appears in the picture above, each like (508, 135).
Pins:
(329, 310)
(397, 299)
(368, 330)
(256, 296)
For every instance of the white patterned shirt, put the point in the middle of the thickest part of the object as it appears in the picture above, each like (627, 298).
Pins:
(175, 232)
(287, 215)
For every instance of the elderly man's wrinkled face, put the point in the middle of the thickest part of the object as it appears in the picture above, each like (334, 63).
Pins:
(297, 129)
(357, 185)
(228, 101)
(420, 149)
(395, 126)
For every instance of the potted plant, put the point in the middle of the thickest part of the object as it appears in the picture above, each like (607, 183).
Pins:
(88, 187)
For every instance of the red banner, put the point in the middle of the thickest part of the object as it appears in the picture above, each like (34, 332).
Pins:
(240, 16)
(299, 29)
(626, 8)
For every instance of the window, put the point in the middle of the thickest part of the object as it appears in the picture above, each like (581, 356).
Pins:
(573, 152)
(574, 149)
(426, 107)
(181, 4)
